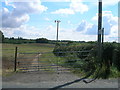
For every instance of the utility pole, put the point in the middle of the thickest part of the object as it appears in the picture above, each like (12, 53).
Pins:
(99, 42)
(99, 29)
(57, 21)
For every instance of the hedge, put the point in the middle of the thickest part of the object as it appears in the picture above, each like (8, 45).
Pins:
(89, 60)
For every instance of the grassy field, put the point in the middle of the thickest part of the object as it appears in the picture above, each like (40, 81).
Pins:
(8, 53)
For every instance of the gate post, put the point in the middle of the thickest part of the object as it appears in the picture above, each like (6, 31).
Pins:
(15, 62)
(38, 61)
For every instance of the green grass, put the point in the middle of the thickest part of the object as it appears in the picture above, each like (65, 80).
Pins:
(114, 73)
(25, 48)
(8, 54)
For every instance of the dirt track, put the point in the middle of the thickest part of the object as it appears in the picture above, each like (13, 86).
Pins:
(50, 80)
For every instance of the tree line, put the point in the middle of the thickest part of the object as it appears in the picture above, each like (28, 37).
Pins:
(20, 40)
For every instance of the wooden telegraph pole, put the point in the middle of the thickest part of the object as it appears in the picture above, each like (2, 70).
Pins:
(100, 40)
(57, 21)
(99, 30)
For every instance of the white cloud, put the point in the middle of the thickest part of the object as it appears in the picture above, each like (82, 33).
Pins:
(71, 34)
(49, 32)
(7, 3)
(78, 7)
(83, 26)
(9, 20)
(92, 30)
(87, 28)
(109, 2)
(114, 31)
(20, 13)
(50, 27)
(113, 36)
(63, 11)
(47, 19)
(105, 3)
(69, 22)
(73, 8)
(29, 7)
(109, 20)
(30, 32)
(22, 31)
(110, 24)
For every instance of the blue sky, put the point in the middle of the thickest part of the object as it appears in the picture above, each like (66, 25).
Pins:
(35, 19)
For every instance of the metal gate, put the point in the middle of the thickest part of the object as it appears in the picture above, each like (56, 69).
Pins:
(30, 62)
(47, 61)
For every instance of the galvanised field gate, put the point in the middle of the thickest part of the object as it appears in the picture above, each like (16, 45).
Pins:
(46, 61)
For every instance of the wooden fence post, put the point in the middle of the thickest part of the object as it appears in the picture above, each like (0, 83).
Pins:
(15, 62)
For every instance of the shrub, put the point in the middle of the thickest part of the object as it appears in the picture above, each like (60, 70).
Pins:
(89, 60)
(116, 57)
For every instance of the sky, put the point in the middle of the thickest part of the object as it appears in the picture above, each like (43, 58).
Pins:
(35, 19)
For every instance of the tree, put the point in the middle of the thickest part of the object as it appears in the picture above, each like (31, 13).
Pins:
(42, 40)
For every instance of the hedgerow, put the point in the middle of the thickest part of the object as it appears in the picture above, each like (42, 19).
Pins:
(87, 61)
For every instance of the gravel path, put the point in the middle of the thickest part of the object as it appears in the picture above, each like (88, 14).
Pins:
(50, 80)
(45, 79)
